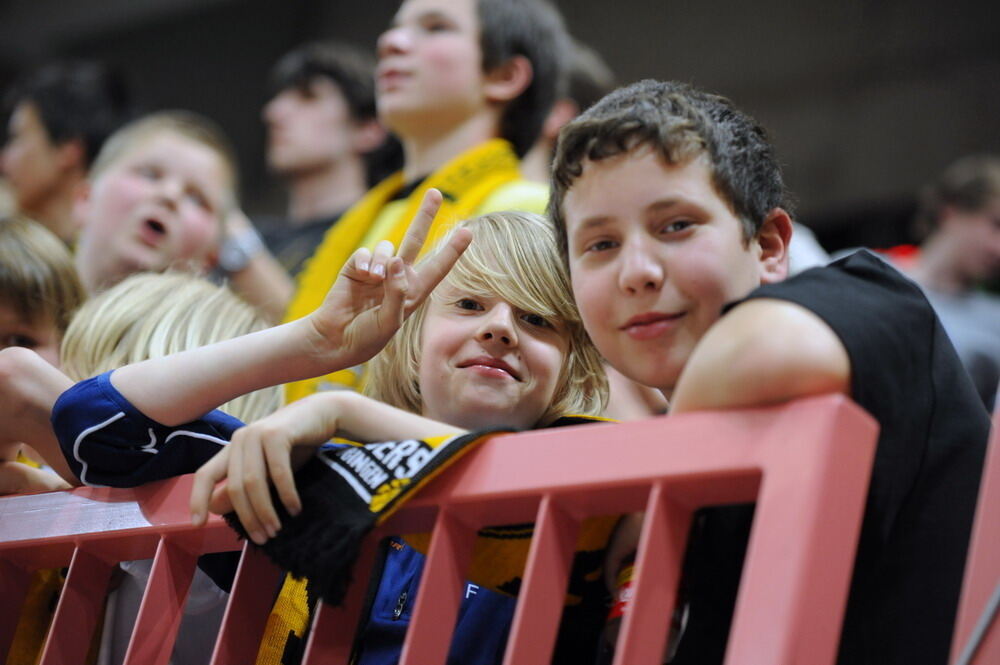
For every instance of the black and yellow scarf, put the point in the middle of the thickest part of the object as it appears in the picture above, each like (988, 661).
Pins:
(346, 492)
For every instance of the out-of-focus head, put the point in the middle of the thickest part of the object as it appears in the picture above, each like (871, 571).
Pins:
(963, 207)
(159, 193)
(154, 315)
(39, 289)
(59, 117)
(443, 60)
(322, 108)
(500, 341)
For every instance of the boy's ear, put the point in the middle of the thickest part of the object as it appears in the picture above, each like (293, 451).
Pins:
(81, 203)
(368, 135)
(507, 81)
(562, 112)
(774, 238)
(70, 155)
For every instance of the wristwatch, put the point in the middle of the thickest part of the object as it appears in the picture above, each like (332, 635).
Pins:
(238, 249)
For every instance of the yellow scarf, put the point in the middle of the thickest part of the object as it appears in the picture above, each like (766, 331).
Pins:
(465, 183)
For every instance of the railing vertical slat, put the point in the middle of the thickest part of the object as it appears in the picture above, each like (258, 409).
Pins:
(428, 638)
(249, 605)
(546, 576)
(162, 606)
(793, 591)
(14, 582)
(643, 635)
(332, 634)
(78, 611)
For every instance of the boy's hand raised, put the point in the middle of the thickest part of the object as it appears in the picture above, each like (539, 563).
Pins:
(376, 291)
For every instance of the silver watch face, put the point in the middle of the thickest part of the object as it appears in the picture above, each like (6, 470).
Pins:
(232, 257)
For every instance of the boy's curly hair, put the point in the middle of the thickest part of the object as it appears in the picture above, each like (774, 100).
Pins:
(680, 123)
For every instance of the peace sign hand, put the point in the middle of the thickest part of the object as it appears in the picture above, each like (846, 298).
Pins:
(376, 291)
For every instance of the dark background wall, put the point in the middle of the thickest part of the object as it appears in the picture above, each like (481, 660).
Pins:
(865, 100)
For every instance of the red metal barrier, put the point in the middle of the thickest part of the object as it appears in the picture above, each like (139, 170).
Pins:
(806, 464)
(977, 631)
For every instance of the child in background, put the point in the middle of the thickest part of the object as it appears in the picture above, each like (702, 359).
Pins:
(39, 292)
(157, 198)
(144, 316)
(497, 344)
(466, 86)
(672, 214)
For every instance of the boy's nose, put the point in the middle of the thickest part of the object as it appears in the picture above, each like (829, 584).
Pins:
(498, 326)
(395, 40)
(639, 270)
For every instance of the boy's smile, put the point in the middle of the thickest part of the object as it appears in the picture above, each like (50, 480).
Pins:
(654, 254)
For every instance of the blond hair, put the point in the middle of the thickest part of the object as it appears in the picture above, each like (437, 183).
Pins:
(37, 277)
(186, 124)
(514, 256)
(153, 315)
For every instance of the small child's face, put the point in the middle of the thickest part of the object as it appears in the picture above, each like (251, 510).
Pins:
(654, 254)
(158, 206)
(430, 65)
(40, 336)
(485, 362)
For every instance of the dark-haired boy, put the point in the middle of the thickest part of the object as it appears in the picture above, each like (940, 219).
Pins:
(321, 129)
(60, 116)
(674, 219)
(466, 86)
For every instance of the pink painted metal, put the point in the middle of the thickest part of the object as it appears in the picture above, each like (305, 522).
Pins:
(982, 574)
(807, 465)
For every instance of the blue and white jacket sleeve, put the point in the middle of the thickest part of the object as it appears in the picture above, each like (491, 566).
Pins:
(109, 442)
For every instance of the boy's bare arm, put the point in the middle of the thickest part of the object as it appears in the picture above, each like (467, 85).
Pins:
(29, 386)
(764, 351)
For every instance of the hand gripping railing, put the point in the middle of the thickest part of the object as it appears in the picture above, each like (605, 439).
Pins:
(806, 464)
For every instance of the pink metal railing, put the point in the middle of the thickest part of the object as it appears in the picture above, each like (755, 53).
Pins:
(806, 464)
(977, 630)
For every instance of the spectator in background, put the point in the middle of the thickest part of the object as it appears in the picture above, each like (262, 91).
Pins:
(321, 129)
(959, 214)
(60, 116)
(588, 78)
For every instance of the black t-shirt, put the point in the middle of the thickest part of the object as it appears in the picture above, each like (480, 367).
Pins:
(928, 463)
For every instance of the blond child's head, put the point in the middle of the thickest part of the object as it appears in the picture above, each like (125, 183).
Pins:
(500, 341)
(39, 289)
(159, 192)
(153, 315)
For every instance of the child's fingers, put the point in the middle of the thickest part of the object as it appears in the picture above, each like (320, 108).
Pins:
(359, 264)
(279, 466)
(396, 288)
(434, 269)
(220, 503)
(416, 234)
(380, 257)
(255, 482)
(205, 479)
(236, 489)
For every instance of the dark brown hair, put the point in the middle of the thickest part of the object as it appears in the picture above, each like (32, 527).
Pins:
(680, 123)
